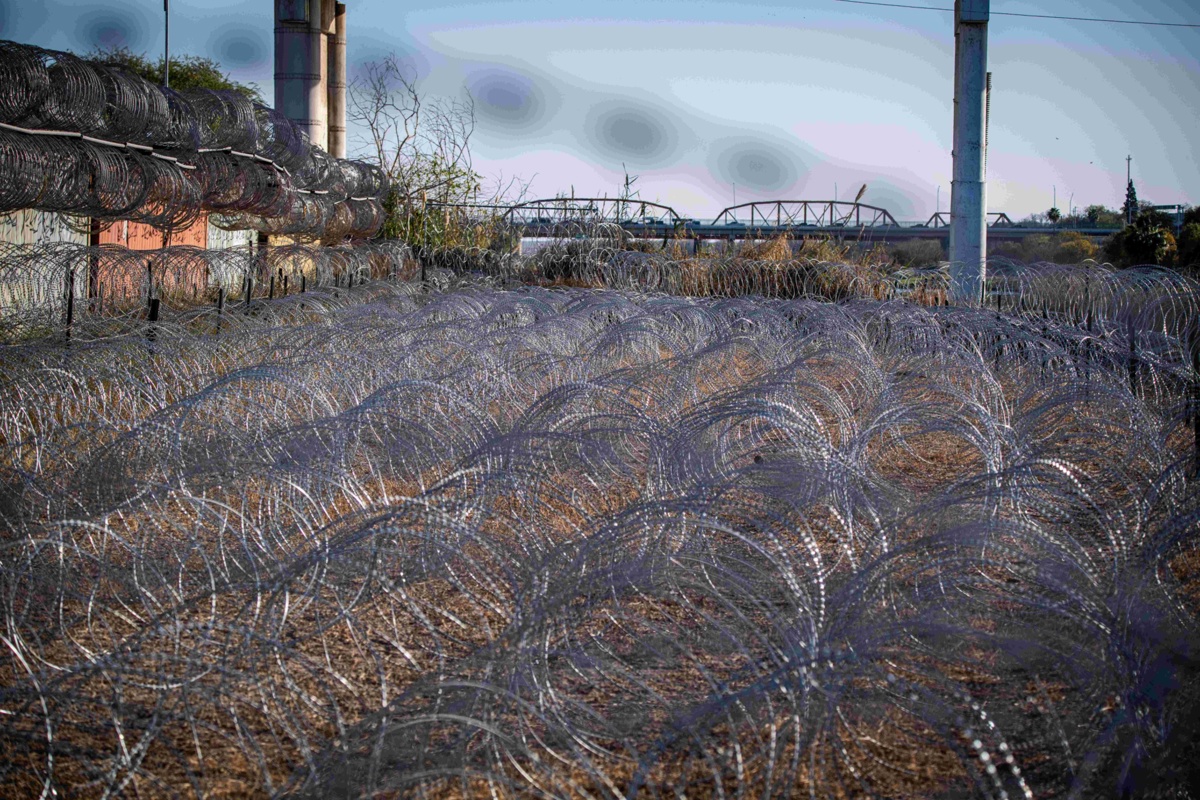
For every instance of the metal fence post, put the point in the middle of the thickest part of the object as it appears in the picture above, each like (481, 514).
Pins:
(70, 299)
(152, 331)
(1196, 398)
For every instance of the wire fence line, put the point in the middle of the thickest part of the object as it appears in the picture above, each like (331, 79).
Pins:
(75, 290)
(393, 542)
(91, 139)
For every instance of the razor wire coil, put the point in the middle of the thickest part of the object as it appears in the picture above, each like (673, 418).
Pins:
(91, 139)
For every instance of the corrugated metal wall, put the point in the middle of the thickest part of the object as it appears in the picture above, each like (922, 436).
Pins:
(221, 239)
(138, 236)
(38, 227)
(46, 227)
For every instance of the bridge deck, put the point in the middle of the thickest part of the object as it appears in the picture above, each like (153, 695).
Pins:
(875, 233)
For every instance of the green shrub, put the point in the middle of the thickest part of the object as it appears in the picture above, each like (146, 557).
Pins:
(1188, 256)
(1065, 247)
(918, 253)
(1146, 241)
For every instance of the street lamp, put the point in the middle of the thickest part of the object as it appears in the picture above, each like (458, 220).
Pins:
(167, 43)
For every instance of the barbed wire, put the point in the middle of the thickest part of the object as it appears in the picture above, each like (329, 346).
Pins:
(91, 139)
(98, 291)
(592, 541)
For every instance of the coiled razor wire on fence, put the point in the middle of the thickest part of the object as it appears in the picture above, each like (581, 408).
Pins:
(60, 287)
(90, 139)
(599, 543)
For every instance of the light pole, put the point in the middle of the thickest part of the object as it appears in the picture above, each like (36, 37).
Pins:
(167, 43)
(1128, 181)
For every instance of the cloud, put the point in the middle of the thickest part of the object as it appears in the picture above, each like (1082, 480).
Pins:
(630, 132)
(108, 27)
(236, 46)
(509, 102)
(756, 164)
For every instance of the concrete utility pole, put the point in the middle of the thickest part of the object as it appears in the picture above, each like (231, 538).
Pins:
(968, 191)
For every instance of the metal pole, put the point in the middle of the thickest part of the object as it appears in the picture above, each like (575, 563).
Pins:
(1128, 180)
(968, 196)
(167, 43)
(1196, 400)
(70, 299)
(152, 316)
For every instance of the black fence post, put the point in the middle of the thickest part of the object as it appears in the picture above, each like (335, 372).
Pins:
(1196, 399)
(249, 290)
(1133, 369)
(152, 331)
(70, 299)
(221, 300)
(271, 289)
(303, 283)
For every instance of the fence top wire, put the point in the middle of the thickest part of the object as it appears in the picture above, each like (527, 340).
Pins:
(91, 139)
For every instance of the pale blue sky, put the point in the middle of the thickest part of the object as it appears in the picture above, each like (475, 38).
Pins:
(783, 99)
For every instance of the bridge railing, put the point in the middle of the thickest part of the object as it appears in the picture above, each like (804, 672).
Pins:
(591, 211)
(817, 213)
(941, 219)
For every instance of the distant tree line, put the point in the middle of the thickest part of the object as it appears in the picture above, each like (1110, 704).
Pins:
(1146, 236)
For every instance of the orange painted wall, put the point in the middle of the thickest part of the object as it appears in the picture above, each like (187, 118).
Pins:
(139, 236)
(125, 281)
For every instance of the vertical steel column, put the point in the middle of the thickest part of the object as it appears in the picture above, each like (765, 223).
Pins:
(968, 191)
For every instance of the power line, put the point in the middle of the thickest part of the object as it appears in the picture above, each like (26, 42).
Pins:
(894, 5)
(1034, 16)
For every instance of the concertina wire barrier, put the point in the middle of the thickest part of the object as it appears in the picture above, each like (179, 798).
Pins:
(605, 543)
(89, 139)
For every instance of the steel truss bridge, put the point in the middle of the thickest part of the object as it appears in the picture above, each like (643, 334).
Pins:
(573, 216)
